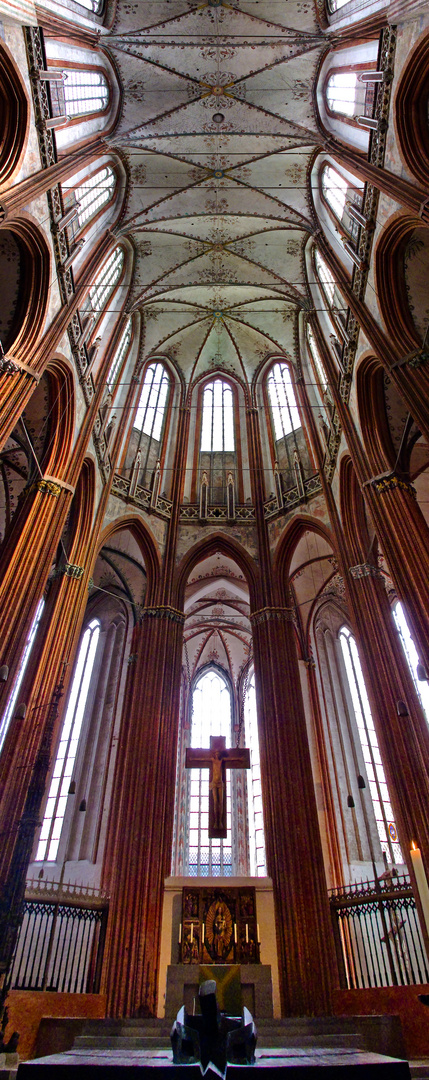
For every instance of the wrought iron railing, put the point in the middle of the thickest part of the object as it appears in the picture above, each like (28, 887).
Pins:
(60, 946)
(377, 934)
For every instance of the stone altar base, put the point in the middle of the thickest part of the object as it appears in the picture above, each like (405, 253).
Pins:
(293, 1063)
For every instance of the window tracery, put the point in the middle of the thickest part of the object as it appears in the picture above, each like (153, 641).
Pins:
(217, 454)
(211, 715)
(66, 754)
(341, 197)
(119, 356)
(80, 93)
(105, 282)
(13, 699)
(90, 197)
(371, 752)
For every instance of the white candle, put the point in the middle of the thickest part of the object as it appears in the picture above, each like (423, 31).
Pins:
(235, 933)
(421, 880)
(180, 933)
(204, 931)
(192, 932)
(247, 932)
(257, 932)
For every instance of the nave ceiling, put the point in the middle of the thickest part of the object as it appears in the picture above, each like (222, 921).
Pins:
(218, 211)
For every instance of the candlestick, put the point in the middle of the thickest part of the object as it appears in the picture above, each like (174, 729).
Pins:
(421, 881)
(247, 932)
(192, 932)
(180, 933)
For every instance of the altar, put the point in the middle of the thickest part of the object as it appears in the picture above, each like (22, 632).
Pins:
(222, 928)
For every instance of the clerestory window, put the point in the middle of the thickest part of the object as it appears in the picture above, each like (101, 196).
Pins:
(383, 812)
(119, 357)
(217, 431)
(284, 409)
(341, 196)
(316, 358)
(421, 686)
(81, 94)
(105, 281)
(91, 196)
(66, 754)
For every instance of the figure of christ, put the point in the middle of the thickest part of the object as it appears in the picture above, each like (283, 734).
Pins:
(217, 759)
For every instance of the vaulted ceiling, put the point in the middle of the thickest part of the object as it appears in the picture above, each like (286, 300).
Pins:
(218, 129)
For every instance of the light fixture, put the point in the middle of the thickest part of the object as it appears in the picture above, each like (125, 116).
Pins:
(20, 711)
(82, 806)
(361, 782)
(4, 673)
(401, 708)
(421, 672)
(350, 802)
(218, 118)
(72, 787)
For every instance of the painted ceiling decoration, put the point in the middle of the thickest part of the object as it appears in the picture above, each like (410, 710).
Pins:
(218, 129)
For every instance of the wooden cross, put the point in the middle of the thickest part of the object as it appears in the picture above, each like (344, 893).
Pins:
(217, 759)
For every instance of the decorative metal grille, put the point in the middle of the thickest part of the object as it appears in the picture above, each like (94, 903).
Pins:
(378, 936)
(60, 947)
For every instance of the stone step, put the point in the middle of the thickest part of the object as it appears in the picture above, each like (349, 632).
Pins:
(122, 1042)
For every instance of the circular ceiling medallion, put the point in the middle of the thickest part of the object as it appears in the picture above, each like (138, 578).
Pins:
(218, 174)
(218, 118)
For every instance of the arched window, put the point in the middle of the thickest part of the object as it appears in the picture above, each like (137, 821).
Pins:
(13, 699)
(349, 95)
(341, 196)
(119, 356)
(371, 753)
(422, 687)
(254, 788)
(82, 93)
(91, 196)
(325, 277)
(284, 409)
(217, 429)
(67, 750)
(334, 301)
(211, 715)
(153, 399)
(316, 359)
(105, 281)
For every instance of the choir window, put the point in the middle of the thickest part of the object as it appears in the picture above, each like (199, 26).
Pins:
(290, 447)
(153, 400)
(13, 699)
(118, 358)
(254, 787)
(341, 196)
(81, 93)
(422, 687)
(90, 197)
(371, 753)
(66, 755)
(105, 281)
(217, 459)
(334, 300)
(347, 95)
(211, 715)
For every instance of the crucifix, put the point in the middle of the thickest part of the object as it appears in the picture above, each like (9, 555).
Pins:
(217, 759)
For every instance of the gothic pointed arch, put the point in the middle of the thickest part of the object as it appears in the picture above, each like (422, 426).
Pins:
(411, 111)
(227, 545)
(25, 265)
(150, 553)
(401, 253)
(15, 116)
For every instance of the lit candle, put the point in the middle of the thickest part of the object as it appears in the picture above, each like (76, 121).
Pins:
(180, 933)
(192, 932)
(247, 932)
(421, 880)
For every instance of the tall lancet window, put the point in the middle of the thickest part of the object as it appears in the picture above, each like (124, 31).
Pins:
(90, 196)
(254, 787)
(371, 752)
(146, 438)
(13, 699)
(217, 446)
(290, 447)
(421, 685)
(66, 755)
(211, 715)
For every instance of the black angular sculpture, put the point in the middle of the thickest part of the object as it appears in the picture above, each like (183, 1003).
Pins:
(213, 1038)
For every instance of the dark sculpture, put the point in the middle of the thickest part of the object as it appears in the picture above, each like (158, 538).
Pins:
(213, 1038)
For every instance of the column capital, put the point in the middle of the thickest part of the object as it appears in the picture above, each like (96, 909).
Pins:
(50, 485)
(363, 570)
(273, 614)
(163, 611)
(389, 482)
